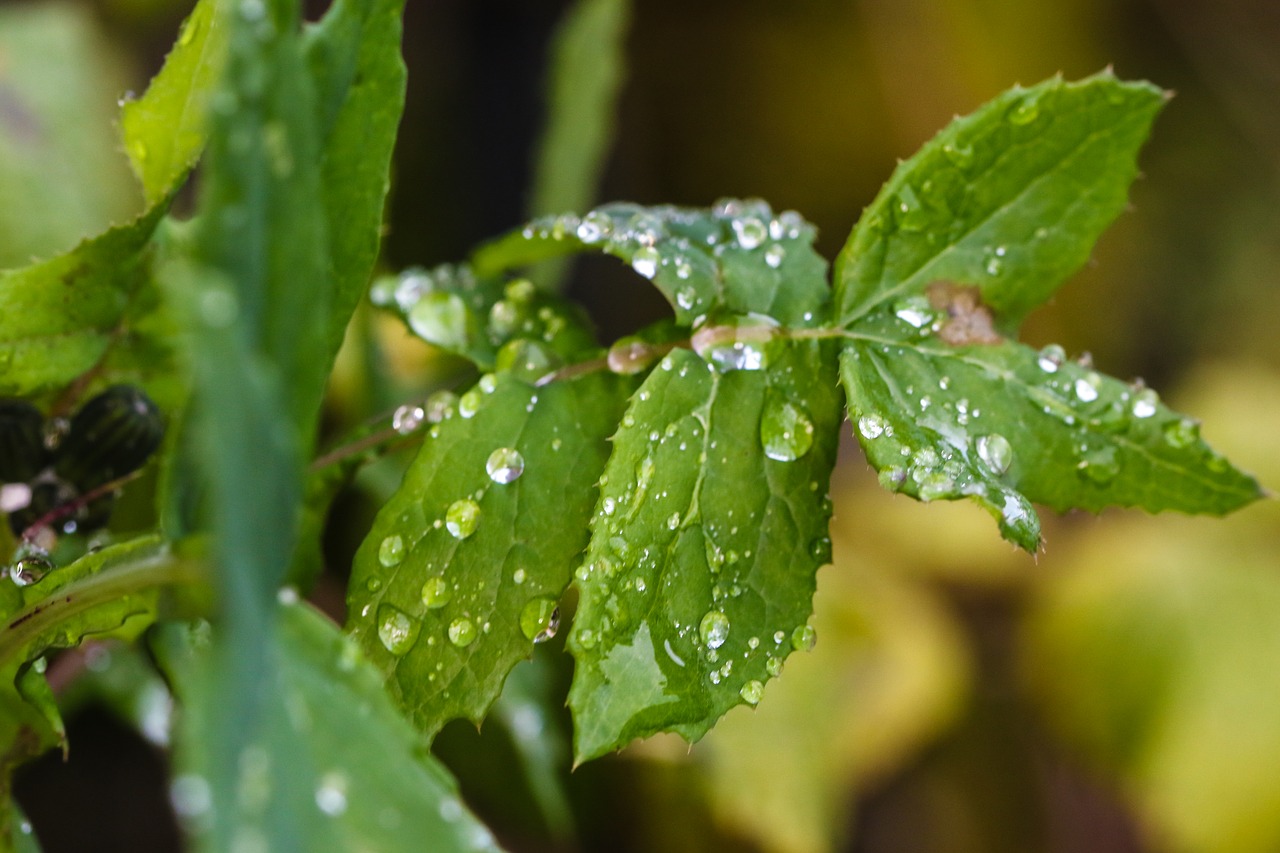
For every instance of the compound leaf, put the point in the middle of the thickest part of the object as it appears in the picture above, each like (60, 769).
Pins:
(711, 523)
(1009, 199)
(466, 563)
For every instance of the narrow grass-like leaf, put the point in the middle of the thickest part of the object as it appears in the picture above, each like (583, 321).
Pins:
(712, 521)
(1001, 423)
(466, 563)
(738, 257)
(365, 779)
(164, 130)
(1009, 199)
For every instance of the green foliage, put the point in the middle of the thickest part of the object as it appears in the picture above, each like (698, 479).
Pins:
(677, 479)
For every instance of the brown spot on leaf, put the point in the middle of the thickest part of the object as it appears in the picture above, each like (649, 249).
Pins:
(969, 320)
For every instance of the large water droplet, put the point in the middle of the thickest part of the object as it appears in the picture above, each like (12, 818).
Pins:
(751, 232)
(595, 226)
(630, 355)
(645, 261)
(737, 343)
(540, 619)
(714, 629)
(407, 418)
(871, 426)
(804, 638)
(462, 517)
(1051, 358)
(505, 465)
(1087, 388)
(1144, 403)
(462, 632)
(29, 570)
(752, 692)
(442, 319)
(1099, 465)
(915, 311)
(785, 431)
(391, 551)
(996, 451)
(397, 630)
(436, 593)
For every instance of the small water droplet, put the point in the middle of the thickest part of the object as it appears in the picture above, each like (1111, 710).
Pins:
(505, 465)
(391, 551)
(775, 255)
(686, 298)
(1099, 465)
(1051, 358)
(462, 632)
(674, 521)
(773, 666)
(915, 311)
(1181, 433)
(803, 638)
(436, 593)
(397, 630)
(462, 518)
(595, 226)
(440, 406)
(871, 426)
(752, 692)
(820, 549)
(1087, 388)
(540, 619)
(331, 794)
(442, 319)
(645, 261)
(407, 418)
(786, 432)
(909, 211)
(714, 629)
(751, 232)
(996, 451)
(470, 402)
(960, 156)
(1144, 403)
(1025, 111)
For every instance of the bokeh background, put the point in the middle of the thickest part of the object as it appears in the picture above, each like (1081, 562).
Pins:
(1120, 693)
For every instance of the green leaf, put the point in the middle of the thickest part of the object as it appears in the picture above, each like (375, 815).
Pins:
(1000, 423)
(21, 837)
(362, 778)
(164, 131)
(587, 69)
(465, 564)
(58, 318)
(738, 257)
(61, 173)
(712, 521)
(1009, 199)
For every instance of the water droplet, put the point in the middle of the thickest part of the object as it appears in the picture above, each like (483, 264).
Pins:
(645, 261)
(630, 355)
(1144, 403)
(1099, 465)
(442, 319)
(871, 426)
(397, 630)
(773, 666)
(820, 549)
(686, 298)
(540, 619)
(462, 632)
(29, 570)
(441, 405)
(1025, 111)
(595, 226)
(525, 359)
(915, 311)
(674, 521)
(960, 156)
(714, 629)
(407, 418)
(1051, 358)
(751, 232)
(505, 465)
(1087, 388)
(752, 692)
(436, 593)
(462, 517)
(737, 343)
(470, 402)
(487, 383)
(775, 255)
(1181, 433)
(804, 638)
(331, 794)
(786, 432)
(391, 551)
(909, 211)
(996, 451)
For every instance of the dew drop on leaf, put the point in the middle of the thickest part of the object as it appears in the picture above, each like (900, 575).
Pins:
(436, 593)
(540, 619)
(996, 451)
(1181, 433)
(820, 549)
(391, 551)
(1099, 465)
(774, 256)
(773, 666)
(786, 432)
(751, 232)
(714, 629)
(738, 343)
(1087, 388)
(29, 570)
(397, 630)
(1051, 358)
(407, 418)
(440, 406)
(469, 403)
(752, 692)
(505, 465)
(462, 517)
(462, 632)
(645, 261)
(803, 638)
(1144, 403)
(595, 226)
(871, 426)
(442, 319)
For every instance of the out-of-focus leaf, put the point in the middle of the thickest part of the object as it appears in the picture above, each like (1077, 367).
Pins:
(887, 674)
(1009, 199)
(21, 839)
(365, 778)
(61, 174)
(738, 257)
(164, 130)
(711, 523)
(1000, 423)
(466, 563)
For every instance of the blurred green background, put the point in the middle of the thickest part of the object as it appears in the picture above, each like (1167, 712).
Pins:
(1119, 693)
